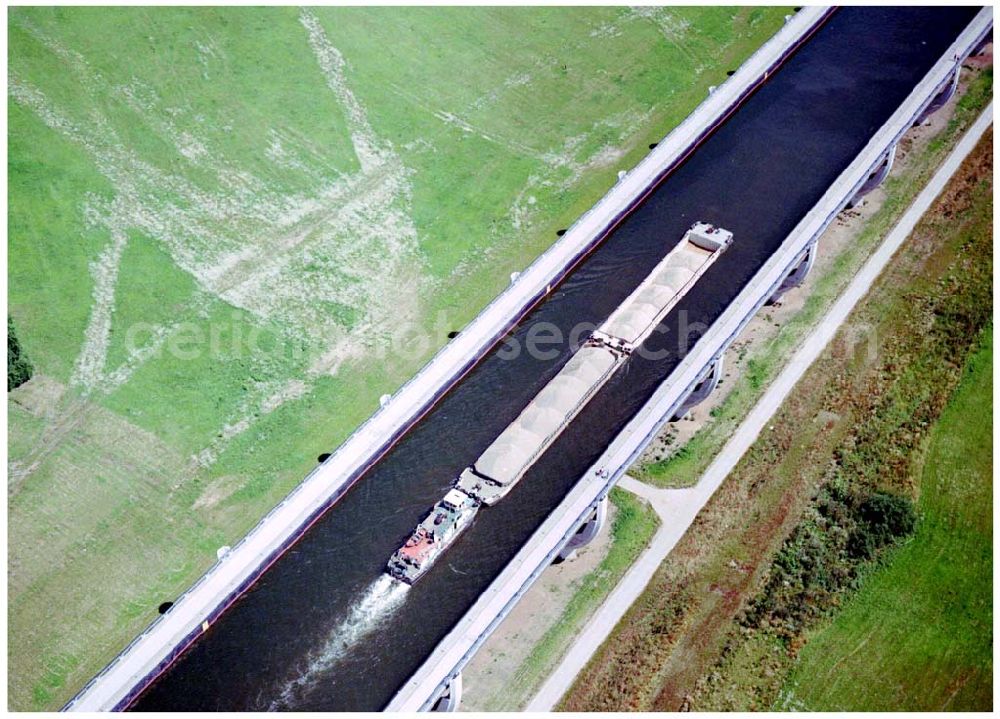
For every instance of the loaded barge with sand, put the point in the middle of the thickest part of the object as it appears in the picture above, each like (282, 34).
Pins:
(497, 470)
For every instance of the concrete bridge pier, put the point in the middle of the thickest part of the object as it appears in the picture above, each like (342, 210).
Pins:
(978, 49)
(451, 696)
(797, 276)
(876, 178)
(704, 387)
(951, 84)
(586, 533)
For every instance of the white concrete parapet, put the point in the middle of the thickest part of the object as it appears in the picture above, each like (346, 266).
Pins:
(167, 637)
(461, 643)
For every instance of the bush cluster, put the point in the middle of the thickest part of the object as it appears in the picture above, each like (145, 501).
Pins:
(19, 369)
(824, 554)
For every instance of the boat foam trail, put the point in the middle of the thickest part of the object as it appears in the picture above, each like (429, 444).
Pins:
(377, 603)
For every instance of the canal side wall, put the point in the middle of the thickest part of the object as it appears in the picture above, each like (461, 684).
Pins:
(160, 644)
(458, 647)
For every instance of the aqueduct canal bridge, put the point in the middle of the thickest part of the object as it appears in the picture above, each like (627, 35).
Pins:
(808, 124)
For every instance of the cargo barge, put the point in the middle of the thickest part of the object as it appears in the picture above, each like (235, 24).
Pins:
(498, 469)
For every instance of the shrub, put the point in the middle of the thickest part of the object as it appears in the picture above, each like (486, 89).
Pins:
(19, 369)
(882, 519)
(822, 556)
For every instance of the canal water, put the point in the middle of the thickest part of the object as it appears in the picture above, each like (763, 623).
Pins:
(321, 630)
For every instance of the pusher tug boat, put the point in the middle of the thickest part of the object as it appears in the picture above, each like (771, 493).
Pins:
(448, 519)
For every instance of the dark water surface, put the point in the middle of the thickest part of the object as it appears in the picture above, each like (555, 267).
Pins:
(757, 176)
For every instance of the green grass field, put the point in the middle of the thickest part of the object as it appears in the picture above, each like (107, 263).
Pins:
(218, 217)
(919, 635)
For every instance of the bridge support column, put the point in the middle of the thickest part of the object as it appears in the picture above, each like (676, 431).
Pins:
(982, 44)
(450, 697)
(704, 387)
(798, 275)
(941, 98)
(586, 533)
(876, 178)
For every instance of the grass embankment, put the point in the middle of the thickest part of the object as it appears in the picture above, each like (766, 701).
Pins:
(850, 427)
(917, 636)
(685, 465)
(634, 525)
(196, 189)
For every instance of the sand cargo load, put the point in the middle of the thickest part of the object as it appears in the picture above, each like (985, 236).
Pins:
(518, 447)
(510, 456)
